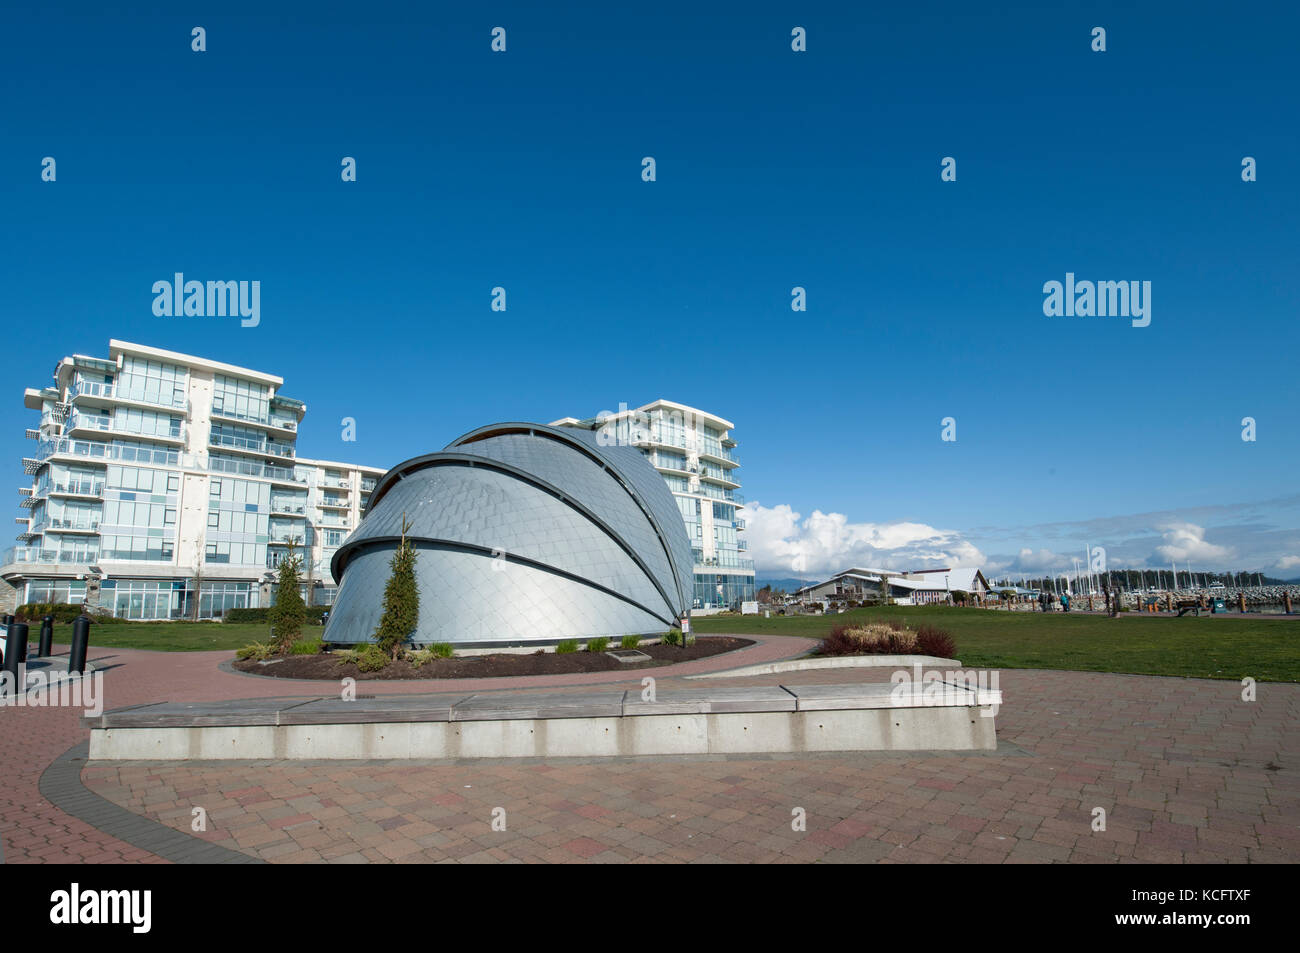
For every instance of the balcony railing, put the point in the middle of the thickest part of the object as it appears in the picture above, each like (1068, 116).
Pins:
(721, 453)
(79, 525)
(250, 444)
(726, 562)
(117, 392)
(77, 489)
(104, 423)
(66, 446)
(78, 421)
(35, 554)
(250, 468)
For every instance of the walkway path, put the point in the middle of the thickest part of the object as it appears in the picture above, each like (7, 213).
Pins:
(1184, 769)
(33, 829)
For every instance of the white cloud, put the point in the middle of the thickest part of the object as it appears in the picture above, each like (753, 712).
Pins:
(1288, 562)
(1042, 561)
(783, 542)
(1186, 541)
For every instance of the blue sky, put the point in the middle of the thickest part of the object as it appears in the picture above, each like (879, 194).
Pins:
(775, 169)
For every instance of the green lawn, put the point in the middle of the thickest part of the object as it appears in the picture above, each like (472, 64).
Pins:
(1204, 647)
(169, 636)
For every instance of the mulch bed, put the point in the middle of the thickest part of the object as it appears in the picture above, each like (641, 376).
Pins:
(497, 665)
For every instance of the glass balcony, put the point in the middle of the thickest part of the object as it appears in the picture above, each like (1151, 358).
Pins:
(65, 446)
(140, 395)
(35, 554)
(74, 525)
(250, 445)
(252, 468)
(83, 488)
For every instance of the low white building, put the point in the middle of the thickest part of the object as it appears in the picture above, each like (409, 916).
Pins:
(918, 587)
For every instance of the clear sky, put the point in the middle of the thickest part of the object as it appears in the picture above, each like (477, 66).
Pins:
(775, 169)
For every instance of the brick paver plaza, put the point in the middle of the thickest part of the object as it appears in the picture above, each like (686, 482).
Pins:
(1185, 770)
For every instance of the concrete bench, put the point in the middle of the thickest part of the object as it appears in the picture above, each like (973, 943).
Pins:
(723, 720)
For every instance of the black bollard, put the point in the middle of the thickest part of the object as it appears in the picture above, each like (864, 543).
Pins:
(80, 642)
(14, 649)
(46, 645)
(16, 645)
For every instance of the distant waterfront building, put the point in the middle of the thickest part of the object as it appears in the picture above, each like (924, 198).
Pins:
(915, 588)
(695, 454)
(168, 486)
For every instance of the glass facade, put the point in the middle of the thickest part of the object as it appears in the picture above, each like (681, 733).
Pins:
(56, 591)
(239, 522)
(147, 598)
(243, 400)
(139, 513)
(123, 475)
(151, 382)
(716, 589)
(216, 598)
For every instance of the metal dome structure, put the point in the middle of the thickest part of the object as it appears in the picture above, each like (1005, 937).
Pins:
(524, 533)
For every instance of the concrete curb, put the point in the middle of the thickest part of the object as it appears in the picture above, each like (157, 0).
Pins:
(811, 664)
(61, 785)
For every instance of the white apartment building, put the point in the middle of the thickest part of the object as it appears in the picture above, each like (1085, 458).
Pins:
(695, 453)
(167, 486)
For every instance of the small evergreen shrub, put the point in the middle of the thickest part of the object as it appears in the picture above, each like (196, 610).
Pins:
(372, 658)
(257, 651)
(567, 646)
(672, 637)
(598, 645)
(63, 612)
(430, 652)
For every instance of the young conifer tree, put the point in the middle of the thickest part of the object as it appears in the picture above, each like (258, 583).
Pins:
(401, 599)
(289, 612)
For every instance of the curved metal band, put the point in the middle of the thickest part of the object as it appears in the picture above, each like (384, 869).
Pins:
(566, 437)
(489, 552)
(341, 557)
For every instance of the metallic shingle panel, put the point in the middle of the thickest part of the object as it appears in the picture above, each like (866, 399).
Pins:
(592, 542)
(463, 600)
